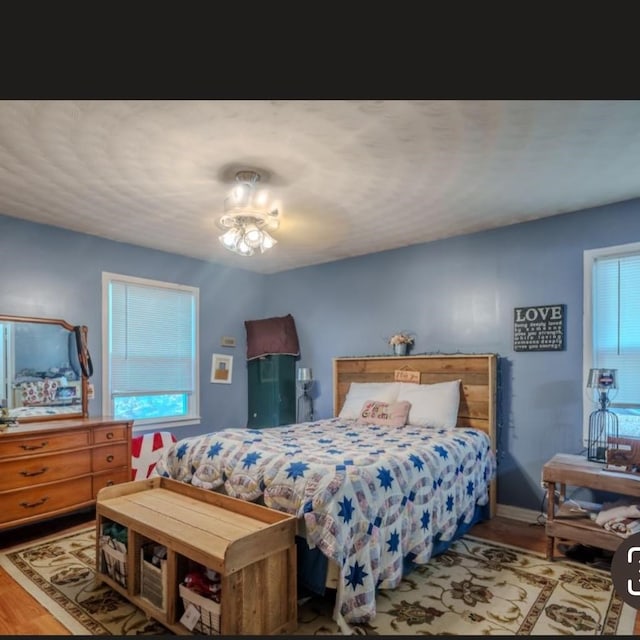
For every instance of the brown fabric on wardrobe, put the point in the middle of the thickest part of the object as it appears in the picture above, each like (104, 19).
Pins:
(271, 336)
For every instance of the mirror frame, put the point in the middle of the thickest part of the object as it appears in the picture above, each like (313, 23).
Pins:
(84, 413)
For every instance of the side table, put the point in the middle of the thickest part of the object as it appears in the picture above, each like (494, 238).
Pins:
(574, 470)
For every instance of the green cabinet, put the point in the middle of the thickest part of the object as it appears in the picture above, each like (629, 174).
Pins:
(272, 391)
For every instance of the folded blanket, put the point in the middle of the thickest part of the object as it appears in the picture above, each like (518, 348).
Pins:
(616, 511)
(624, 527)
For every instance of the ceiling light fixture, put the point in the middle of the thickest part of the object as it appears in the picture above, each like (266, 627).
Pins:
(249, 215)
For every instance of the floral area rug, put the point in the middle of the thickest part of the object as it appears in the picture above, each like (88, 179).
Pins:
(60, 574)
(475, 588)
(480, 588)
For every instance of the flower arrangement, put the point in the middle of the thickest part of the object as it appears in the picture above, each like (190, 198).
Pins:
(401, 338)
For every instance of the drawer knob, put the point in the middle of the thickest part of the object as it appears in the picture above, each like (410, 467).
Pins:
(110, 483)
(110, 435)
(30, 505)
(32, 447)
(109, 458)
(29, 474)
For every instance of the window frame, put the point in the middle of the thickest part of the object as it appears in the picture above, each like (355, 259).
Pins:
(149, 424)
(589, 257)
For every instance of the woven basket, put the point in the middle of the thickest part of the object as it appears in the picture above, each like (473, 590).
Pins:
(209, 610)
(116, 562)
(153, 582)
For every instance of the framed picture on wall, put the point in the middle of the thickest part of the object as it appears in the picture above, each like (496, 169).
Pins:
(221, 368)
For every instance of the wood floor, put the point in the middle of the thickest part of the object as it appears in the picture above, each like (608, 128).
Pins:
(20, 614)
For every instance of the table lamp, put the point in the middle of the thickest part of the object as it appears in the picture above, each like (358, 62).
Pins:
(602, 422)
(305, 401)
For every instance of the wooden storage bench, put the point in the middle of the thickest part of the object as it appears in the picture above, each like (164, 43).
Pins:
(252, 547)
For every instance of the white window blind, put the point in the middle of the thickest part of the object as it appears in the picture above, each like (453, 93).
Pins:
(150, 350)
(152, 339)
(616, 322)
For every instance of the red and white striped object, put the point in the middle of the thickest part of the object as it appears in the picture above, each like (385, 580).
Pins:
(146, 450)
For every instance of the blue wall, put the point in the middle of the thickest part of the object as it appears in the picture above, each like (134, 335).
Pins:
(456, 295)
(459, 294)
(42, 346)
(54, 273)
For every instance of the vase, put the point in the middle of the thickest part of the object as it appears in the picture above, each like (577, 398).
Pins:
(400, 349)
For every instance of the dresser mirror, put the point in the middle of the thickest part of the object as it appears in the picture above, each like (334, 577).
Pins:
(41, 376)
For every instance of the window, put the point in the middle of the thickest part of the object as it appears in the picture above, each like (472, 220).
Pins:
(150, 350)
(612, 328)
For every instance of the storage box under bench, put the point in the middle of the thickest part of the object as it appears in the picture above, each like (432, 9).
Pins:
(246, 543)
(209, 611)
(116, 563)
(153, 579)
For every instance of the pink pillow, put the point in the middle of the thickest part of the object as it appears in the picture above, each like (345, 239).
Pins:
(390, 414)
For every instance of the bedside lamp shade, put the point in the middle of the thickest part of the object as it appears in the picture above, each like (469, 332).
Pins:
(603, 379)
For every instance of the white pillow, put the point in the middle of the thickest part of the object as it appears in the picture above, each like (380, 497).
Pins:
(434, 405)
(360, 392)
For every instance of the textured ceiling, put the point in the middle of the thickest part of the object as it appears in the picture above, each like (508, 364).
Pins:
(353, 176)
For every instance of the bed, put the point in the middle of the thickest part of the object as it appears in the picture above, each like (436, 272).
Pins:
(372, 495)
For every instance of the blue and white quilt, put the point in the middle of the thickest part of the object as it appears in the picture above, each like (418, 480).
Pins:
(369, 495)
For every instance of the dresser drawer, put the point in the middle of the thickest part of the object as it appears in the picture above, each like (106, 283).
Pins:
(109, 478)
(29, 445)
(27, 472)
(114, 433)
(109, 457)
(36, 501)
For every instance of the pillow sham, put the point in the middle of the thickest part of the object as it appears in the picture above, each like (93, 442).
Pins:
(360, 392)
(389, 414)
(434, 405)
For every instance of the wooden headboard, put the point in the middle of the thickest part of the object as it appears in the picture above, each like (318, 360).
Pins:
(477, 394)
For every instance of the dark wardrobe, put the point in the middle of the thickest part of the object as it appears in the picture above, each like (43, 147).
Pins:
(272, 391)
(272, 351)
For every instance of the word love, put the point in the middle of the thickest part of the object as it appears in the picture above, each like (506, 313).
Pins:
(533, 314)
(539, 328)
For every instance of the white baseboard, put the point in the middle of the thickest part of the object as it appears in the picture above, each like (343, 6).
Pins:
(517, 513)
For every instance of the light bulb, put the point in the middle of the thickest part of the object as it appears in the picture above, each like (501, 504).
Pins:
(230, 238)
(267, 241)
(243, 248)
(240, 193)
(252, 235)
(262, 197)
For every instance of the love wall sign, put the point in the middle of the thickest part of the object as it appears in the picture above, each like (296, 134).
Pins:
(539, 328)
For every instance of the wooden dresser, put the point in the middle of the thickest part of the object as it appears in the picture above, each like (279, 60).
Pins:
(54, 467)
